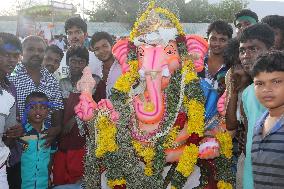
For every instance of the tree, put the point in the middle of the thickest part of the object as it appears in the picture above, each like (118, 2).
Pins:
(115, 11)
(193, 11)
(226, 9)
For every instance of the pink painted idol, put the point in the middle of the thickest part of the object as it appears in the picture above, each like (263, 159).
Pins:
(153, 131)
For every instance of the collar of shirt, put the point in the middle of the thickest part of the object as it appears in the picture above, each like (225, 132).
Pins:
(260, 124)
(207, 74)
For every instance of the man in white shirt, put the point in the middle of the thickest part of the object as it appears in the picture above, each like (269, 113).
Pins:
(110, 70)
(76, 30)
(60, 42)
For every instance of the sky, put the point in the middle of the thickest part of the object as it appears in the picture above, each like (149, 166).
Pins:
(10, 6)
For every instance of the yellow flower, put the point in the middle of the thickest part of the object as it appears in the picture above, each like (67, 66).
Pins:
(188, 70)
(116, 182)
(224, 185)
(173, 187)
(106, 136)
(125, 81)
(171, 137)
(148, 154)
(195, 113)
(188, 160)
(226, 144)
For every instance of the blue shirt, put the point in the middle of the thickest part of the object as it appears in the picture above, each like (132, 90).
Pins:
(253, 110)
(35, 160)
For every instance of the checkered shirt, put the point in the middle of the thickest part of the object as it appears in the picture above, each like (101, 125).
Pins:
(25, 85)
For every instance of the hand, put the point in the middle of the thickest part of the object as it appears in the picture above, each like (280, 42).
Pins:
(51, 134)
(15, 131)
(239, 79)
(67, 127)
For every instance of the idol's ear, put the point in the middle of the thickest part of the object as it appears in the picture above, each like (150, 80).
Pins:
(120, 51)
(197, 46)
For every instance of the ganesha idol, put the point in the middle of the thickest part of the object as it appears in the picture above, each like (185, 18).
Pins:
(154, 131)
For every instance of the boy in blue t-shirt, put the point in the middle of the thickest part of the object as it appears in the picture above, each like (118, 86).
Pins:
(267, 153)
(36, 158)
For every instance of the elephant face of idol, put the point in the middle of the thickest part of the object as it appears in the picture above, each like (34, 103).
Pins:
(156, 65)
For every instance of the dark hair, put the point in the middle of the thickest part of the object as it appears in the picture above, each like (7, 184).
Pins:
(33, 38)
(55, 49)
(81, 52)
(231, 53)
(269, 62)
(245, 12)
(261, 32)
(35, 94)
(75, 21)
(274, 21)
(8, 38)
(99, 36)
(220, 27)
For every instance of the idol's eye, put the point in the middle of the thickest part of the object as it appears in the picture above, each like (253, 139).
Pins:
(140, 52)
(170, 50)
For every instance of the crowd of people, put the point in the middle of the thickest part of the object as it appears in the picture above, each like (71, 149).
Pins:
(38, 93)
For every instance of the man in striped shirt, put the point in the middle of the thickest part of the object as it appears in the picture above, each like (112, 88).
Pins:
(267, 151)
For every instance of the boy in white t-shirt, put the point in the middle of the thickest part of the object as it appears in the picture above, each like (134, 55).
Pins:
(76, 30)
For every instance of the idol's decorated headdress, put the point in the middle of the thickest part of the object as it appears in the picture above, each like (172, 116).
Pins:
(151, 28)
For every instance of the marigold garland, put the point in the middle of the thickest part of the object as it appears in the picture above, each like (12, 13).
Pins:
(106, 141)
(148, 154)
(226, 144)
(125, 81)
(188, 70)
(171, 137)
(188, 160)
(195, 113)
(224, 185)
(116, 182)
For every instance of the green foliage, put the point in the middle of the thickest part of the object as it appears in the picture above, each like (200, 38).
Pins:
(193, 11)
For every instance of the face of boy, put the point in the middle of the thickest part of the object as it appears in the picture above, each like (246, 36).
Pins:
(102, 50)
(241, 25)
(8, 62)
(217, 42)
(51, 61)
(249, 51)
(76, 36)
(38, 112)
(76, 65)
(269, 89)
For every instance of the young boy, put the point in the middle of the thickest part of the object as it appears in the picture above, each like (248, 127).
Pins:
(51, 60)
(36, 158)
(68, 161)
(268, 142)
